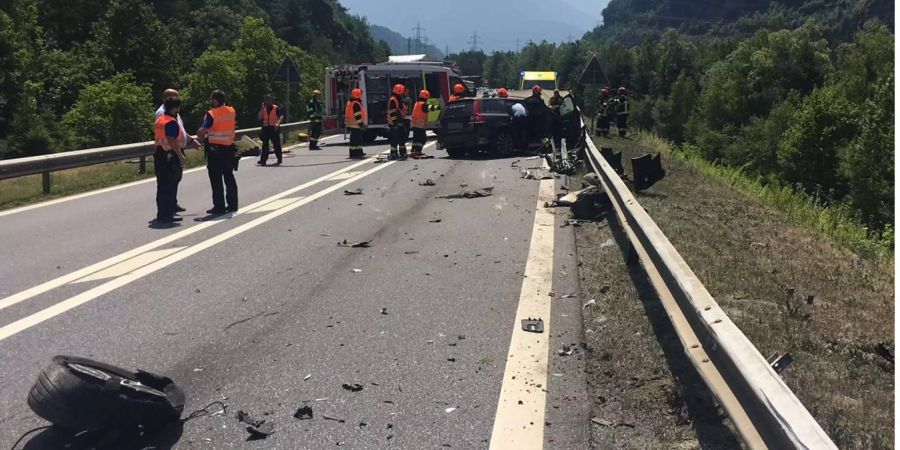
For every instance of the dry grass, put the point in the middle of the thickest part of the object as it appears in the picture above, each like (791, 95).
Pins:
(789, 289)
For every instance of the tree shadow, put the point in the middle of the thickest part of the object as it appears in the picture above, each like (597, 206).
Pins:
(693, 401)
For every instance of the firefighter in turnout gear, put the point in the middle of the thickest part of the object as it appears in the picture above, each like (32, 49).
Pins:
(355, 120)
(420, 122)
(396, 120)
(603, 115)
(458, 92)
(314, 110)
(622, 111)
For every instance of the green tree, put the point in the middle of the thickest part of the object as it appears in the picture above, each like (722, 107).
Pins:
(214, 69)
(113, 111)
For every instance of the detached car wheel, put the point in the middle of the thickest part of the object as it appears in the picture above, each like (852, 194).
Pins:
(504, 145)
(82, 394)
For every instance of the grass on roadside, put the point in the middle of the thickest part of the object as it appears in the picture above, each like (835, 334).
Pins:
(835, 222)
(23, 191)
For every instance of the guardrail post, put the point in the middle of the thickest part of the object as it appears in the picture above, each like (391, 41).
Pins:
(142, 165)
(45, 180)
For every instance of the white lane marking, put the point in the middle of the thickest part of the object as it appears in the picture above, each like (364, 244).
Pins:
(343, 176)
(68, 278)
(130, 265)
(519, 423)
(114, 188)
(277, 204)
(84, 297)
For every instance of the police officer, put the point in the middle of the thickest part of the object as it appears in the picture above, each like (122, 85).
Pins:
(622, 111)
(168, 159)
(355, 120)
(396, 120)
(314, 110)
(271, 116)
(221, 153)
(420, 122)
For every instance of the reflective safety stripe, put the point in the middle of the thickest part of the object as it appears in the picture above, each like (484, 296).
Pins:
(354, 119)
(270, 118)
(159, 132)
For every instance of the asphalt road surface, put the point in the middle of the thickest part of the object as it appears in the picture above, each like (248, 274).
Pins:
(265, 312)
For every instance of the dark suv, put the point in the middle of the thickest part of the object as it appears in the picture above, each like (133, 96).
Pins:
(485, 124)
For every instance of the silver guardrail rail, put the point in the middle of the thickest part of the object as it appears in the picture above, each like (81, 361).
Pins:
(45, 164)
(765, 412)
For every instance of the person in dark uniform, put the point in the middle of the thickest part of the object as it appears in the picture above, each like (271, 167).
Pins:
(271, 116)
(355, 120)
(603, 117)
(539, 119)
(396, 119)
(314, 110)
(221, 153)
(167, 159)
(622, 112)
(556, 128)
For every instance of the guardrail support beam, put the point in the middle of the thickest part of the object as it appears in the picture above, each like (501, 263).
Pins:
(45, 181)
(142, 165)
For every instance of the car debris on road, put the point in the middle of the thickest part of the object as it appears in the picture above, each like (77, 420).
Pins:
(362, 244)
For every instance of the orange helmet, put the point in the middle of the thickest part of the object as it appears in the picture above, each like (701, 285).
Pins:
(458, 88)
(356, 93)
(399, 89)
(502, 93)
(621, 89)
(424, 94)
(536, 89)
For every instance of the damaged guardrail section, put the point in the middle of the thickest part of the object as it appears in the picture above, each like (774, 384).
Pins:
(20, 167)
(765, 411)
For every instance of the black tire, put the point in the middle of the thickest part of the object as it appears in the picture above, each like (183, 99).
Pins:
(455, 153)
(504, 144)
(82, 394)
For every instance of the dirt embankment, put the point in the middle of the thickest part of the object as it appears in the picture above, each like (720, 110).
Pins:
(787, 288)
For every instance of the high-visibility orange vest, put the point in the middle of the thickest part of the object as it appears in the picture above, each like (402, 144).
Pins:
(393, 105)
(270, 118)
(455, 97)
(159, 132)
(419, 115)
(350, 117)
(222, 130)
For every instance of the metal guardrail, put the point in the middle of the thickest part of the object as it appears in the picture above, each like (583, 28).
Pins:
(45, 164)
(764, 410)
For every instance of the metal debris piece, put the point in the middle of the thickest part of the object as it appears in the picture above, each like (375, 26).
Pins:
(334, 419)
(428, 182)
(780, 362)
(533, 325)
(435, 221)
(355, 387)
(566, 350)
(363, 244)
(357, 191)
(304, 413)
(483, 192)
(569, 295)
(590, 302)
(356, 270)
(258, 429)
(383, 311)
(411, 252)
(450, 409)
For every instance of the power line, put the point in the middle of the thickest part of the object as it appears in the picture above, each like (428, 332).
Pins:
(418, 29)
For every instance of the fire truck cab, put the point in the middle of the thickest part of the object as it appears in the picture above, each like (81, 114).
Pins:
(376, 82)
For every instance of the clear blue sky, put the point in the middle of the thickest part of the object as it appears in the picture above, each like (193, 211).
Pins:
(452, 24)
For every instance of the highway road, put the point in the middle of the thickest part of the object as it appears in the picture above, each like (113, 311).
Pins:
(263, 311)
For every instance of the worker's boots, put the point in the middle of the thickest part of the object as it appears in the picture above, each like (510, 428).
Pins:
(356, 153)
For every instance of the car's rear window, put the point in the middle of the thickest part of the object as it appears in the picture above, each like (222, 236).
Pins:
(494, 106)
(458, 109)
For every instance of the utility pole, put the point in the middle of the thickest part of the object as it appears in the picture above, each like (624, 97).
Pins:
(475, 42)
(408, 45)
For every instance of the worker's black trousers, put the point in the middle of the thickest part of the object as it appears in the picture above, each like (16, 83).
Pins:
(418, 140)
(603, 124)
(267, 134)
(165, 165)
(356, 143)
(398, 137)
(315, 131)
(220, 163)
(622, 124)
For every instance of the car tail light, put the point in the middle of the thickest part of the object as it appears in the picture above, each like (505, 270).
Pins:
(476, 112)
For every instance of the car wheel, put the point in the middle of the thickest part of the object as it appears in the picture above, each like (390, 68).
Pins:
(504, 145)
(455, 152)
(82, 394)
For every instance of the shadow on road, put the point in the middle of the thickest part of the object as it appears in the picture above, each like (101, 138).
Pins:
(55, 437)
